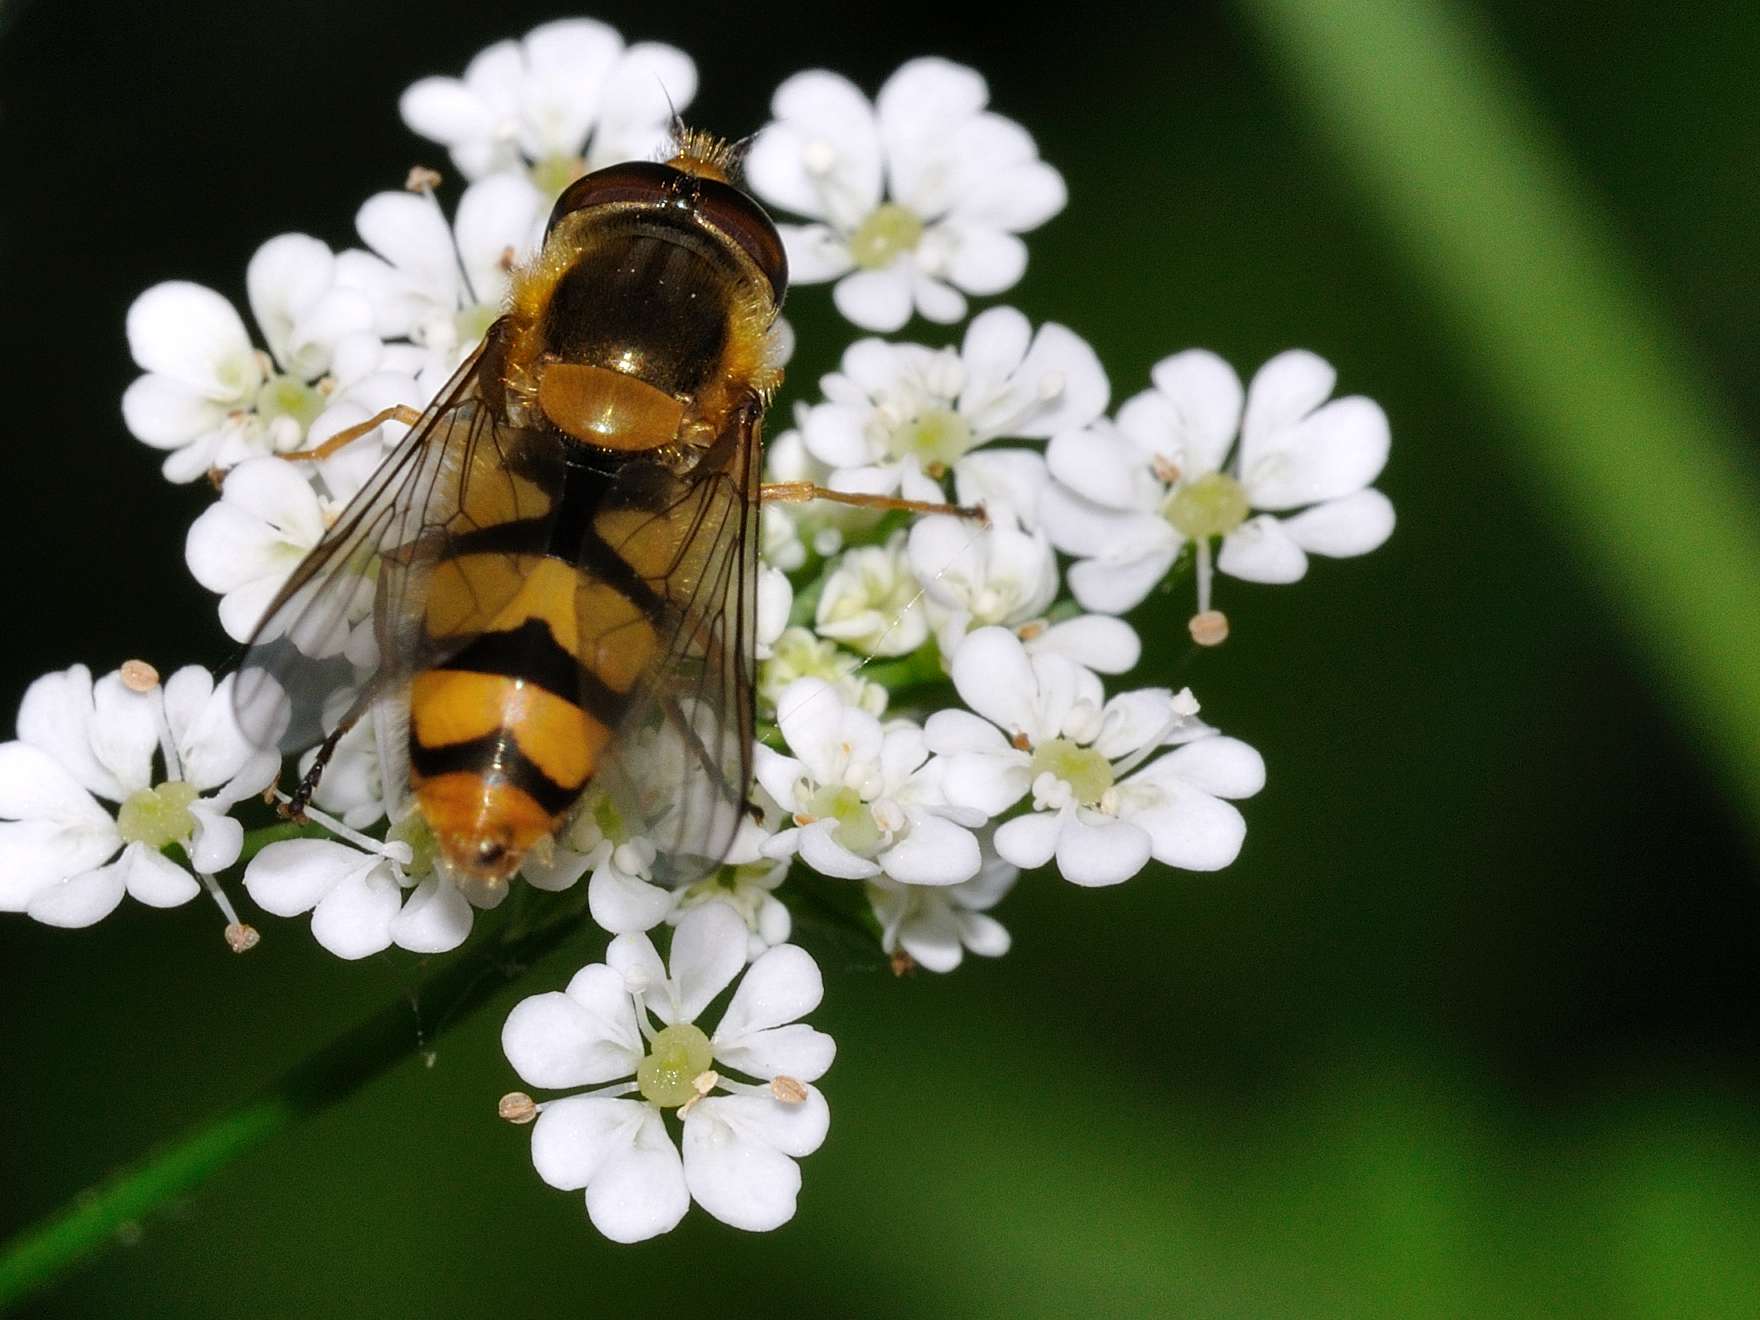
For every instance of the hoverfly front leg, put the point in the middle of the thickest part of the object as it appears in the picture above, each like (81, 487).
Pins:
(397, 412)
(803, 492)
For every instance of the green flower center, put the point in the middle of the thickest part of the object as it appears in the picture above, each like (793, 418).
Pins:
(1213, 505)
(938, 436)
(554, 173)
(676, 1058)
(886, 233)
(856, 829)
(424, 848)
(289, 396)
(158, 816)
(1087, 773)
(473, 322)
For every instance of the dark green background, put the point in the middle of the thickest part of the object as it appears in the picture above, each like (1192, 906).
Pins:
(1469, 1028)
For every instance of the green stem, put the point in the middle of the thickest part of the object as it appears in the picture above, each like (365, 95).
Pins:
(1622, 433)
(334, 1072)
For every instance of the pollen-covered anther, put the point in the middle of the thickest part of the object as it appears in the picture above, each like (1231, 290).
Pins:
(788, 1090)
(703, 1083)
(517, 1107)
(1030, 629)
(1209, 628)
(138, 676)
(507, 258)
(421, 178)
(1021, 743)
(242, 937)
(1165, 469)
(901, 963)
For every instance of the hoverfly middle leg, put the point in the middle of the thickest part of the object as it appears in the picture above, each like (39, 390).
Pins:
(804, 492)
(397, 412)
(295, 806)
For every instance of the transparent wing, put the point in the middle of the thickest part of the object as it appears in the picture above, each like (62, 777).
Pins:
(351, 620)
(680, 766)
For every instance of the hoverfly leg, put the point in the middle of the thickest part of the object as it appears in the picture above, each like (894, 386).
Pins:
(397, 412)
(804, 492)
(295, 807)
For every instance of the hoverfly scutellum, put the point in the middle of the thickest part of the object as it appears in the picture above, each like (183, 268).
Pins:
(553, 576)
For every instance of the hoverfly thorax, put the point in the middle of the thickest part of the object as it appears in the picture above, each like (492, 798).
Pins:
(646, 319)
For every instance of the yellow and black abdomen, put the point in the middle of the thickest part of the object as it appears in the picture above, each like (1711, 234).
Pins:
(508, 732)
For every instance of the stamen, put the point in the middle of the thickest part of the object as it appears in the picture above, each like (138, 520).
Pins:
(138, 676)
(788, 1090)
(393, 851)
(517, 1107)
(422, 178)
(1209, 628)
(241, 937)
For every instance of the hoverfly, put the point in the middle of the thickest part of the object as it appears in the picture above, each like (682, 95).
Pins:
(551, 581)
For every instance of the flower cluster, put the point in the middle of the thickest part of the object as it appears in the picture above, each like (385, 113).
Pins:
(944, 701)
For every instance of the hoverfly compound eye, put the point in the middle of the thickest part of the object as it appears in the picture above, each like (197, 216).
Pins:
(745, 222)
(633, 181)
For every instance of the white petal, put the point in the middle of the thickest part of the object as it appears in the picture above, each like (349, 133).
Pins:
(497, 221)
(218, 841)
(1226, 767)
(1062, 377)
(354, 918)
(574, 1136)
(733, 1169)
(623, 903)
(553, 1040)
(816, 253)
(820, 850)
(1333, 452)
(166, 413)
(410, 233)
(1285, 390)
(60, 715)
(1111, 588)
(436, 918)
(445, 110)
(1100, 854)
(995, 678)
(634, 958)
(795, 1050)
(211, 748)
(291, 876)
(1193, 830)
(1028, 841)
(34, 787)
(1103, 466)
(984, 935)
(1203, 397)
(935, 852)
(821, 156)
(286, 276)
(646, 87)
(876, 299)
(1354, 525)
(193, 335)
(953, 731)
(639, 1191)
(1260, 550)
(154, 879)
(1095, 641)
(708, 950)
(782, 985)
(80, 900)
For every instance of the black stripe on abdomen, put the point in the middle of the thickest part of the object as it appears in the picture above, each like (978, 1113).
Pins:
(496, 757)
(532, 653)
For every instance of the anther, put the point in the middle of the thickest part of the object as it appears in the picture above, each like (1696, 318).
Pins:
(138, 676)
(517, 1107)
(241, 936)
(1165, 469)
(901, 963)
(703, 1083)
(1210, 628)
(421, 178)
(1031, 629)
(788, 1090)
(1021, 743)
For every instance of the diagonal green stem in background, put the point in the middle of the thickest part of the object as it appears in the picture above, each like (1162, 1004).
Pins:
(1619, 428)
(334, 1072)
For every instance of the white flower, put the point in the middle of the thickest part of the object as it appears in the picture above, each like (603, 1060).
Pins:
(209, 396)
(247, 545)
(749, 888)
(797, 653)
(865, 799)
(895, 412)
(536, 101)
(974, 575)
(1130, 495)
(872, 602)
(739, 1146)
(438, 284)
(917, 196)
(775, 600)
(1093, 810)
(67, 859)
(937, 926)
(366, 895)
